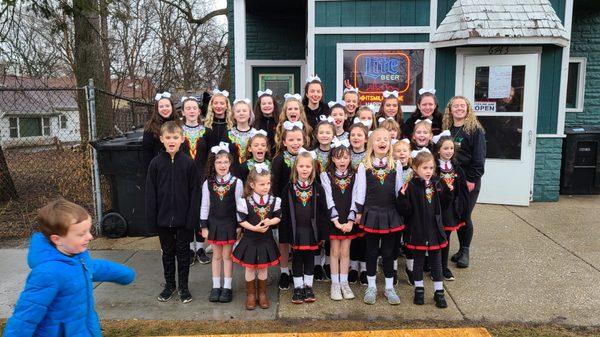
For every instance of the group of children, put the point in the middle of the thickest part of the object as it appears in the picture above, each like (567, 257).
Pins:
(334, 186)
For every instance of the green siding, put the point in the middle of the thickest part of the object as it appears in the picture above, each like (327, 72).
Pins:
(231, 43)
(549, 89)
(274, 34)
(546, 181)
(443, 7)
(361, 13)
(325, 53)
(445, 75)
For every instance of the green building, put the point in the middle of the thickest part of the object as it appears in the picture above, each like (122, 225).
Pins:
(522, 63)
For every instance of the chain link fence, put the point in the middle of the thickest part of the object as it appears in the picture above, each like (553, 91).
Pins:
(44, 152)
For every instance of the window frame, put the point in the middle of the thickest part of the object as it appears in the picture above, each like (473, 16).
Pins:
(580, 97)
(63, 119)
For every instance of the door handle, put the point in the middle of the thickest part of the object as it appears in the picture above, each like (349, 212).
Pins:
(530, 133)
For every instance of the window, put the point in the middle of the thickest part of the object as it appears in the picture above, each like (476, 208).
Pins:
(13, 126)
(21, 127)
(46, 126)
(63, 121)
(576, 84)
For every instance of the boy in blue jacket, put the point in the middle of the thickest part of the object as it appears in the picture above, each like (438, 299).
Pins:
(58, 297)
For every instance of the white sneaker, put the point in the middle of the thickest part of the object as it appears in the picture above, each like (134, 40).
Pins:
(370, 295)
(346, 291)
(336, 292)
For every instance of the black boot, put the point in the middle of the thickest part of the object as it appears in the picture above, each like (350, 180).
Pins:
(456, 256)
(419, 298)
(440, 300)
(463, 261)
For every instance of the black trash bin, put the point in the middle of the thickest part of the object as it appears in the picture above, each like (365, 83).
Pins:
(580, 171)
(121, 161)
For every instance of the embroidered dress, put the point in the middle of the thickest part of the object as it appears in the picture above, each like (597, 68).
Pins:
(191, 136)
(322, 157)
(218, 209)
(357, 158)
(452, 214)
(343, 136)
(239, 139)
(248, 166)
(339, 191)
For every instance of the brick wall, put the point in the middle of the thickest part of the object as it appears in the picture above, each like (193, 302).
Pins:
(548, 158)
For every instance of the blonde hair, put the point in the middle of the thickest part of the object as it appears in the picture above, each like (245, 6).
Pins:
(171, 127)
(471, 122)
(283, 117)
(368, 160)
(210, 114)
(401, 143)
(421, 158)
(313, 173)
(230, 114)
(390, 124)
(423, 123)
(252, 176)
(58, 215)
(280, 147)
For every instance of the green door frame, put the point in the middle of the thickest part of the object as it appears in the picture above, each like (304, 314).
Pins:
(258, 70)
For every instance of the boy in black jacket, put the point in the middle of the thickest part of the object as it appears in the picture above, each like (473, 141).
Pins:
(172, 205)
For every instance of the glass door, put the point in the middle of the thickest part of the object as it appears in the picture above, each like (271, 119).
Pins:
(281, 80)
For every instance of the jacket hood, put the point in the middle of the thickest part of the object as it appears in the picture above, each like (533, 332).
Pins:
(41, 250)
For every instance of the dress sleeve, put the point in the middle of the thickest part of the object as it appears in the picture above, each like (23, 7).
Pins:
(399, 180)
(326, 183)
(205, 205)
(277, 208)
(242, 209)
(359, 190)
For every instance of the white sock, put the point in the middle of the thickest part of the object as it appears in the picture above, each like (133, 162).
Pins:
(354, 265)
(317, 260)
(285, 270)
(335, 278)
(363, 266)
(372, 281)
(438, 285)
(298, 283)
(395, 264)
(216, 282)
(343, 278)
(327, 261)
(389, 283)
(409, 264)
(419, 283)
(200, 245)
(193, 246)
(227, 282)
(308, 280)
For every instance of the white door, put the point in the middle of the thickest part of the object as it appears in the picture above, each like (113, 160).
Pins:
(504, 92)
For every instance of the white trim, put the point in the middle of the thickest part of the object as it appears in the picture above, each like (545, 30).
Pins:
(273, 63)
(549, 135)
(310, 38)
(428, 60)
(501, 40)
(432, 28)
(373, 30)
(579, 100)
(562, 99)
(239, 31)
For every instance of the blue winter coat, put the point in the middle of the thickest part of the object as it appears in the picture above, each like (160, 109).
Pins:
(58, 297)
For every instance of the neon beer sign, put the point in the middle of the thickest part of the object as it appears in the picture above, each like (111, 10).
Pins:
(375, 72)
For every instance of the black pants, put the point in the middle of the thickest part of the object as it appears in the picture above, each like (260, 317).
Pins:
(357, 249)
(435, 261)
(465, 233)
(445, 251)
(373, 248)
(304, 262)
(175, 242)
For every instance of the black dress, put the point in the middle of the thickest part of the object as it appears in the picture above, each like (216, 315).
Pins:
(248, 165)
(219, 130)
(304, 216)
(268, 124)
(313, 116)
(281, 169)
(255, 249)
(195, 144)
(339, 191)
(218, 209)
(454, 212)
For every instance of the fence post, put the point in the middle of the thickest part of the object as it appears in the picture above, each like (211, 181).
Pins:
(96, 192)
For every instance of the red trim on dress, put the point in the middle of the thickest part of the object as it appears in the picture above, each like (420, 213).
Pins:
(221, 242)
(454, 228)
(438, 247)
(381, 231)
(257, 266)
(343, 237)
(315, 247)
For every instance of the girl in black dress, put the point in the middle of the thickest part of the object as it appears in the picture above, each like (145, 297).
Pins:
(257, 152)
(257, 249)
(218, 218)
(391, 107)
(164, 110)
(351, 99)
(314, 106)
(267, 116)
(218, 109)
(427, 108)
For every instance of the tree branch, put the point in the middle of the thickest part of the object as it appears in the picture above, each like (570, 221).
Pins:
(187, 12)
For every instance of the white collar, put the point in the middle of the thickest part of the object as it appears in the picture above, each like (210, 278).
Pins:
(379, 161)
(444, 162)
(256, 198)
(341, 174)
(224, 178)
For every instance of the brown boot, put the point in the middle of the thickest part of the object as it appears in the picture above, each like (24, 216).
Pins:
(251, 295)
(263, 301)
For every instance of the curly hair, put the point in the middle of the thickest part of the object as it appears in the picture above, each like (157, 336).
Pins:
(471, 122)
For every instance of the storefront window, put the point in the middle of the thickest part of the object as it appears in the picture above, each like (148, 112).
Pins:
(499, 88)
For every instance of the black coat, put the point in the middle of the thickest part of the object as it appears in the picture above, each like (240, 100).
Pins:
(456, 211)
(471, 152)
(151, 146)
(313, 115)
(219, 130)
(173, 192)
(319, 216)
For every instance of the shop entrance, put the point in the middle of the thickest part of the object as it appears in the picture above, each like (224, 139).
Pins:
(280, 80)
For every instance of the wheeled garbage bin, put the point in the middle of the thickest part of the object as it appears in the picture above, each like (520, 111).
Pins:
(580, 172)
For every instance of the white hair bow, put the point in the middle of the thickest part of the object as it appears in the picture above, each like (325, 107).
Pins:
(414, 153)
(184, 98)
(160, 95)
(221, 147)
(313, 78)
(290, 125)
(423, 120)
(313, 154)
(224, 92)
(394, 141)
(266, 92)
(337, 143)
(437, 138)
(255, 132)
(355, 90)
(387, 94)
(405, 140)
(365, 122)
(237, 100)
(332, 104)
(370, 133)
(423, 90)
(382, 119)
(324, 118)
(289, 96)
(261, 167)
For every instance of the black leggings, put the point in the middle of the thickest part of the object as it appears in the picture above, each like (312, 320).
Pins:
(175, 243)
(465, 233)
(357, 249)
(445, 251)
(304, 262)
(435, 261)
(388, 243)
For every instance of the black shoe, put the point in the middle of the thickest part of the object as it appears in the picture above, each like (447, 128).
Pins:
(426, 266)
(327, 274)
(363, 278)
(395, 277)
(298, 296)
(309, 295)
(456, 256)
(215, 294)
(226, 295)
(353, 276)
(463, 260)
(185, 296)
(319, 272)
(193, 258)
(440, 300)
(409, 277)
(166, 294)
(419, 298)
(448, 276)
(202, 257)
(284, 281)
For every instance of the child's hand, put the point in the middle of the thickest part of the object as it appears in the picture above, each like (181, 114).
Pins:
(261, 227)
(358, 218)
(470, 186)
(205, 233)
(338, 225)
(451, 187)
(348, 226)
(267, 222)
(404, 187)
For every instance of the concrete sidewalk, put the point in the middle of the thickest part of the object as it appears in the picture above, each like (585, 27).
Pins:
(529, 264)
